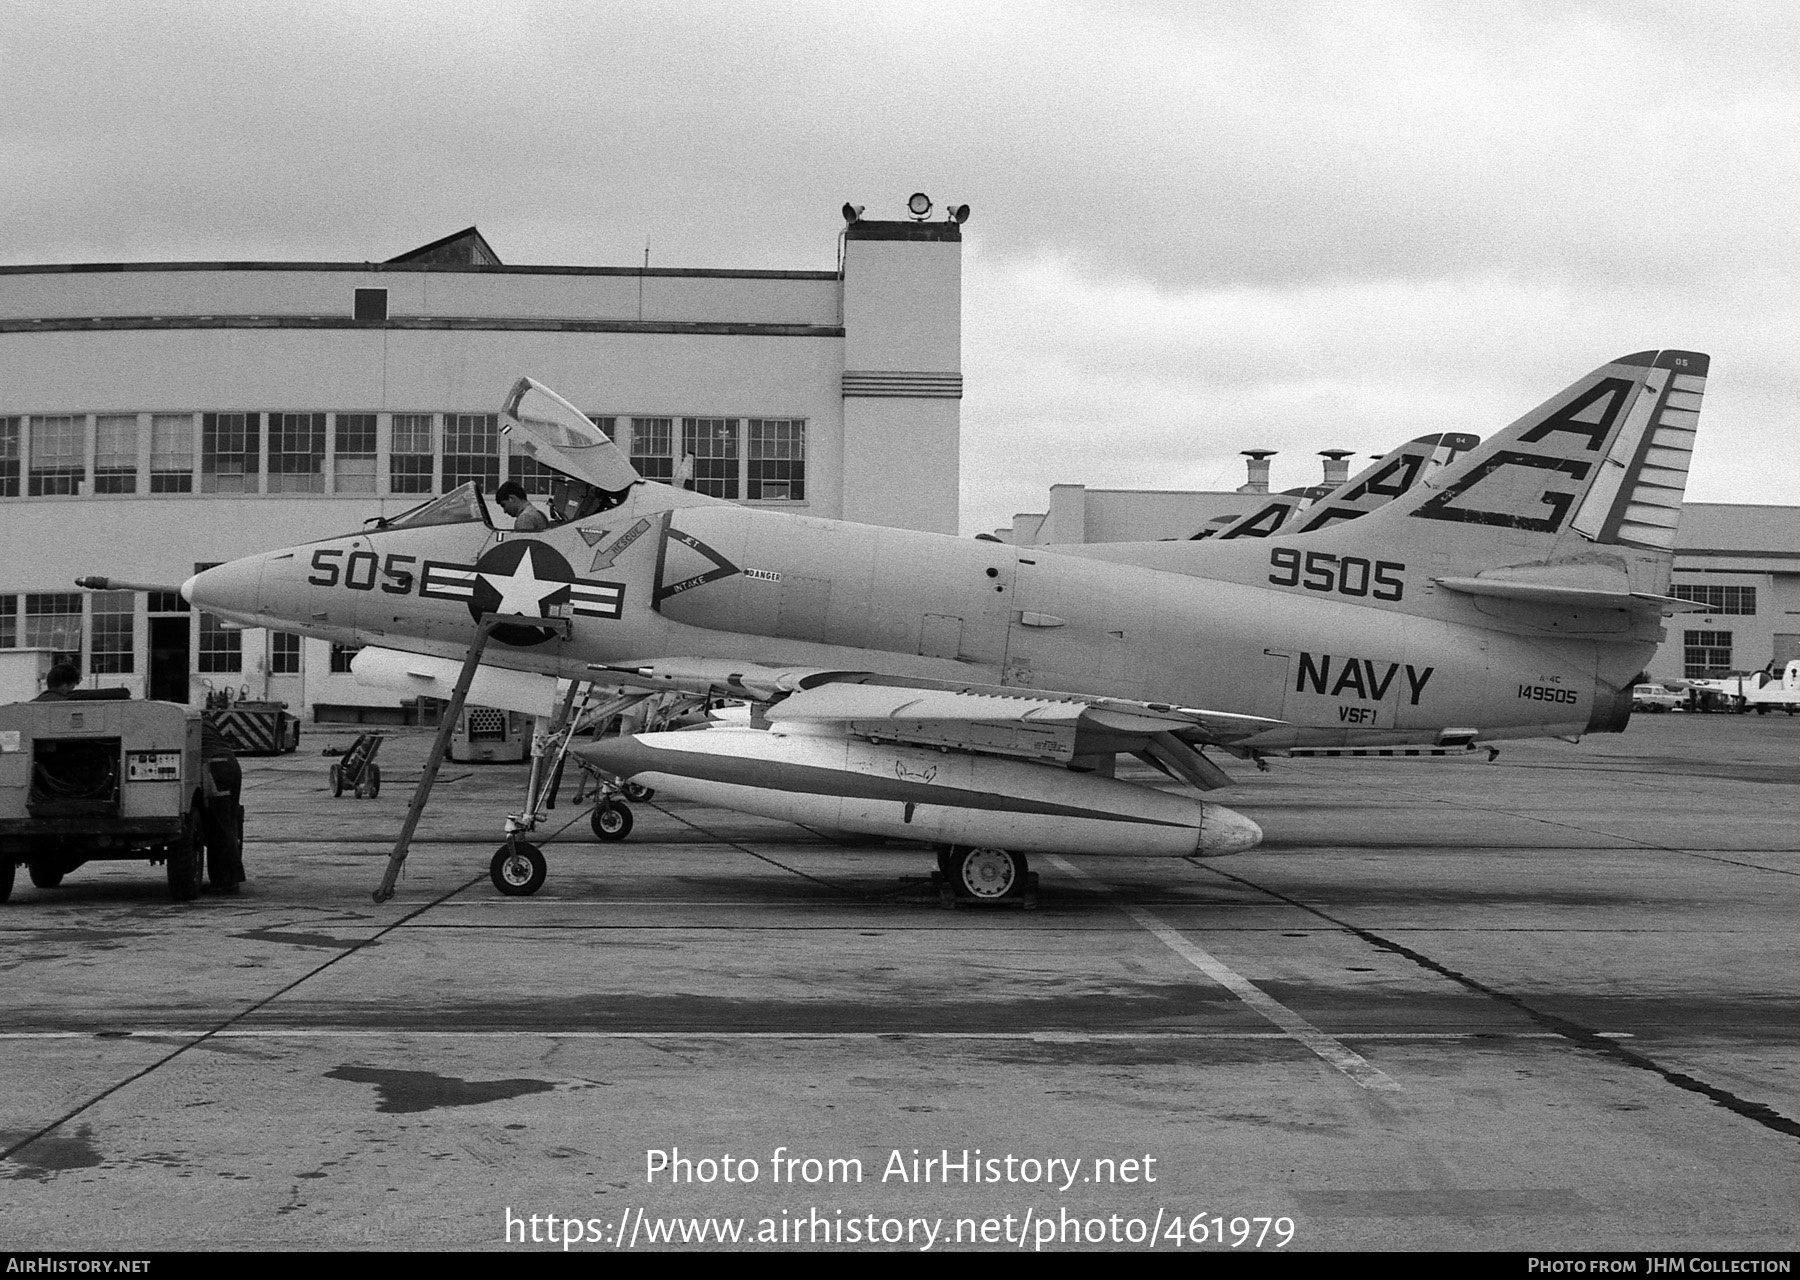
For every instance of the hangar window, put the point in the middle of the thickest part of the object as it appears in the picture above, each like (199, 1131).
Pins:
(115, 453)
(9, 457)
(284, 653)
(472, 450)
(109, 632)
(353, 453)
(409, 458)
(777, 460)
(713, 445)
(53, 622)
(1718, 599)
(296, 453)
(229, 446)
(653, 448)
(9, 622)
(220, 649)
(58, 454)
(1702, 651)
(172, 453)
(342, 655)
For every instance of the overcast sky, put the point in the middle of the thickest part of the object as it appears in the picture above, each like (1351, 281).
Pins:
(1197, 227)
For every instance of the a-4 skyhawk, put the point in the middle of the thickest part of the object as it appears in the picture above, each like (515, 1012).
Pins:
(975, 695)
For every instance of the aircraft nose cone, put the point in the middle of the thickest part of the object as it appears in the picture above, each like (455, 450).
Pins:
(230, 590)
(1225, 830)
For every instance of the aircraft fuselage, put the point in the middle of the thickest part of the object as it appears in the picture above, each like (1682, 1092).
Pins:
(1349, 650)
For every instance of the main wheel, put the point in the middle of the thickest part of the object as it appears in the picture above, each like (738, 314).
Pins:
(518, 869)
(337, 780)
(612, 821)
(637, 792)
(184, 862)
(988, 874)
(374, 772)
(45, 875)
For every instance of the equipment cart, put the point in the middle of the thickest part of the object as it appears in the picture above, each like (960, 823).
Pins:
(82, 781)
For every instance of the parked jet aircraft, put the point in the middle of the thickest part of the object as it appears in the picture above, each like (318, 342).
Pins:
(975, 694)
(1383, 480)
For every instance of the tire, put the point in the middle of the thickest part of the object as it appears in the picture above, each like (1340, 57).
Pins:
(611, 821)
(518, 869)
(184, 862)
(638, 794)
(7, 871)
(45, 875)
(337, 780)
(374, 772)
(988, 875)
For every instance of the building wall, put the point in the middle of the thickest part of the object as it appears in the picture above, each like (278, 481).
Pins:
(181, 339)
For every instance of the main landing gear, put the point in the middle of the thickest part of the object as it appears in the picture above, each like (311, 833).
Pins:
(983, 876)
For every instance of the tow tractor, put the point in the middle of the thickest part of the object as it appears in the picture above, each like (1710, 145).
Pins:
(105, 777)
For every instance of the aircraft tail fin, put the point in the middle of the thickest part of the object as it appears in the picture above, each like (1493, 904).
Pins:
(1602, 463)
(1385, 479)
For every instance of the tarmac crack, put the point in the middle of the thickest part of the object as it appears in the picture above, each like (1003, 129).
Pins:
(1583, 1037)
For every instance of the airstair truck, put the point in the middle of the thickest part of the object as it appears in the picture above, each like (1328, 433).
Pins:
(87, 779)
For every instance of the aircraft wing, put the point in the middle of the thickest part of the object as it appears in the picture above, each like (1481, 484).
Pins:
(1034, 724)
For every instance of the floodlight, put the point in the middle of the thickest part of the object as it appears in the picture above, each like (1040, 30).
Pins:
(958, 214)
(852, 212)
(919, 205)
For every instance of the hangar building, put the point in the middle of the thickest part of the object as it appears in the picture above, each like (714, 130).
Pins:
(156, 418)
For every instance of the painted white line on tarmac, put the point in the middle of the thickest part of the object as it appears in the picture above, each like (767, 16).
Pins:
(514, 1033)
(1346, 1060)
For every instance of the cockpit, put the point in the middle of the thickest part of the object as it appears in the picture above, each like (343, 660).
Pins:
(588, 473)
(570, 500)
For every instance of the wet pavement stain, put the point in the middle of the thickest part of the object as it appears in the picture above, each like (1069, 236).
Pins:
(300, 939)
(407, 1091)
(53, 1154)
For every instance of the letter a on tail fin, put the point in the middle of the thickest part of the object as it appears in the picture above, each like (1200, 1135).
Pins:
(1602, 463)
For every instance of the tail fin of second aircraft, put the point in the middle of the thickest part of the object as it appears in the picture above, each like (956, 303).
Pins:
(1604, 462)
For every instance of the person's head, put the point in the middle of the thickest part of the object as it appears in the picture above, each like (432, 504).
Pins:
(511, 497)
(62, 678)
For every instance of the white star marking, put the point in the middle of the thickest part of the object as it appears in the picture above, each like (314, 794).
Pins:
(522, 591)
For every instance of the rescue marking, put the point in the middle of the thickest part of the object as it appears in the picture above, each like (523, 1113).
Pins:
(602, 559)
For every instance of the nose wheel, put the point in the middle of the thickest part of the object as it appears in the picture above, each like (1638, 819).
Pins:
(518, 869)
(612, 820)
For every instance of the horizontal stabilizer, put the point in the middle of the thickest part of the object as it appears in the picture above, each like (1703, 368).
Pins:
(1572, 597)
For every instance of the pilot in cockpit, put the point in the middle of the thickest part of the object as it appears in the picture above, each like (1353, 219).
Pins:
(513, 500)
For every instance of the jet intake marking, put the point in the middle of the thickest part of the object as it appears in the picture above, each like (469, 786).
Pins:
(1366, 679)
(721, 567)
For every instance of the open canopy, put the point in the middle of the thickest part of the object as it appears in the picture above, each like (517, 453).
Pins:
(543, 425)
